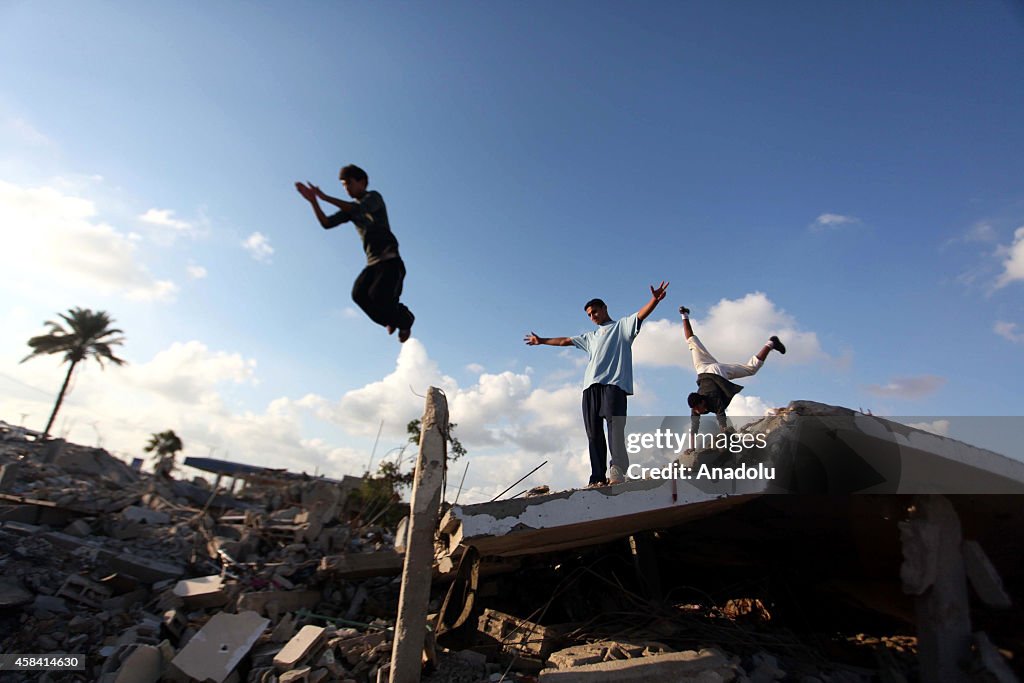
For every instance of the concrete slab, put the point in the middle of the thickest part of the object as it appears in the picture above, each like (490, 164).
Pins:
(672, 667)
(214, 652)
(202, 592)
(363, 565)
(302, 645)
(809, 448)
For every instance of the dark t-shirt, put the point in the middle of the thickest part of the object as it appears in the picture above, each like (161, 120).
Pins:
(371, 222)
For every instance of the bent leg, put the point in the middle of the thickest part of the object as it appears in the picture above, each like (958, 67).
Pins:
(361, 293)
(384, 294)
(702, 358)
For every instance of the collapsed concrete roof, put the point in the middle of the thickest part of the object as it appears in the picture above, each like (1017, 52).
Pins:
(808, 448)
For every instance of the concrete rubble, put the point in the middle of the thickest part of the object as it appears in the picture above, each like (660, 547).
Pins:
(265, 576)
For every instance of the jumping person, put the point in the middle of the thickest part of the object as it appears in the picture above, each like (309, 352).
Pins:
(608, 380)
(714, 390)
(378, 288)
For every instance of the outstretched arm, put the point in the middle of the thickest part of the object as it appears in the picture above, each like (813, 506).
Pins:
(311, 193)
(657, 294)
(533, 340)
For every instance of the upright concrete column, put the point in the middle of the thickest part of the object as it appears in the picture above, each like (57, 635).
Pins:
(410, 628)
(933, 571)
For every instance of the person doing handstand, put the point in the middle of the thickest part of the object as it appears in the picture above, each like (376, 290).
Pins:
(714, 390)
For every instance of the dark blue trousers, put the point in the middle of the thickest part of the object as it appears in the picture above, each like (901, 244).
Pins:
(602, 402)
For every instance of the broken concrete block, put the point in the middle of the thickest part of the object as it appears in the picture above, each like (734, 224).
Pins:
(296, 676)
(143, 665)
(145, 515)
(49, 603)
(285, 601)
(284, 630)
(79, 528)
(215, 651)
(517, 635)
(144, 569)
(202, 592)
(363, 565)
(303, 645)
(175, 622)
(13, 595)
(81, 589)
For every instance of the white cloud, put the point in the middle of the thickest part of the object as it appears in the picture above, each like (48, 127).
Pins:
(70, 247)
(475, 368)
(395, 399)
(189, 372)
(734, 330)
(1008, 331)
(258, 246)
(832, 221)
(164, 218)
(196, 272)
(908, 387)
(1013, 261)
(350, 312)
(940, 427)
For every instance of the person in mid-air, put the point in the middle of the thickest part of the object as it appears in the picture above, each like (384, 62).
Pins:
(378, 288)
(714, 390)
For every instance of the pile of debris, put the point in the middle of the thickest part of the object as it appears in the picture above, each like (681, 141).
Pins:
(296, 579)
(153, 578)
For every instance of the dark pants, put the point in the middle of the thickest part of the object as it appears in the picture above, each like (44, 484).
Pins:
(602, 402)
(377, 290)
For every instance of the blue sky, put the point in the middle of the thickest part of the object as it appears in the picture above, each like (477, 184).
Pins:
(845, 175)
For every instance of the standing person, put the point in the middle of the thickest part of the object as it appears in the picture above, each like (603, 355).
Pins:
(714, 390)
(378, 288)
(608, 380)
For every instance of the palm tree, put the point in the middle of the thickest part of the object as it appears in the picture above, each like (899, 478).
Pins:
(88, 335)
(165, 445)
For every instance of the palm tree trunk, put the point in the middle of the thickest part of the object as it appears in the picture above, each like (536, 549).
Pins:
(60, 399)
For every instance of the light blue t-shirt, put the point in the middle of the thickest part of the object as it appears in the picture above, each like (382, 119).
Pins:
(611, 353)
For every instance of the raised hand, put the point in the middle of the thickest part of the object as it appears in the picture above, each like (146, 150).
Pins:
(659, 292)
(532, 339)
(306, 191)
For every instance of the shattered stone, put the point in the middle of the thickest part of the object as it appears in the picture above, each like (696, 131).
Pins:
(215, 651)
(301, 646)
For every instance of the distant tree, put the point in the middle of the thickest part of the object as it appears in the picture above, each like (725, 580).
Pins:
(88, 335)
(164, 446)
(455, 447)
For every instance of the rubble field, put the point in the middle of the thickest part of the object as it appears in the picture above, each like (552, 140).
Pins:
(297, 579)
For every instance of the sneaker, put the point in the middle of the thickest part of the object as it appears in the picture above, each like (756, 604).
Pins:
(615, 475)
(683, 310)
(597, 484)
(777, 345)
